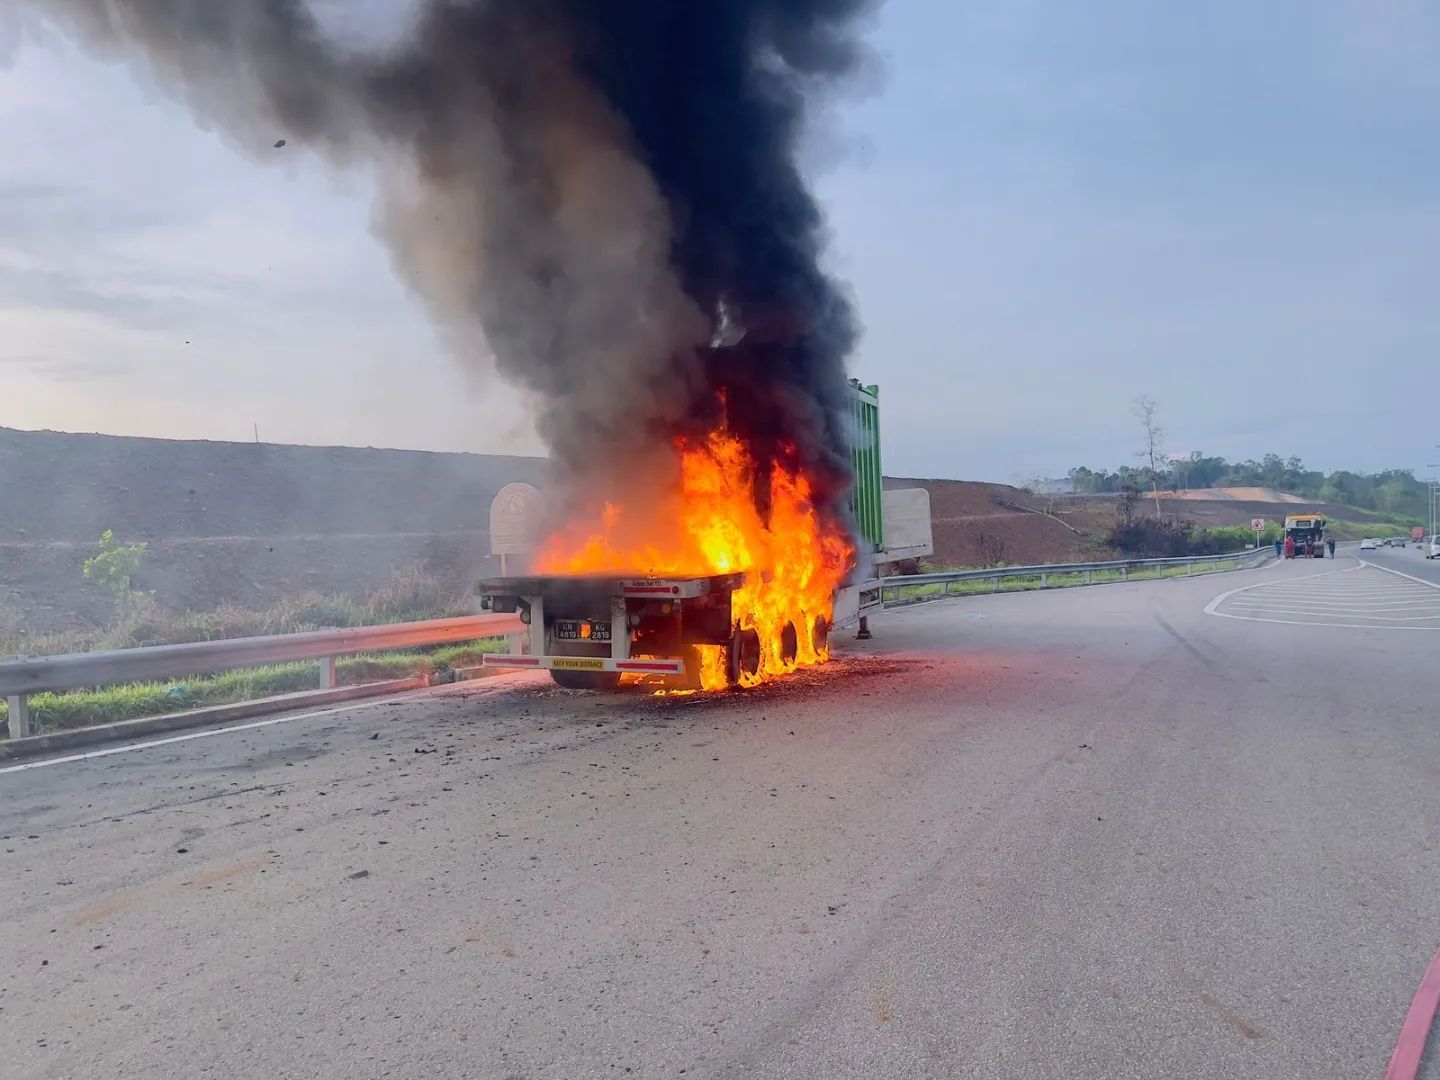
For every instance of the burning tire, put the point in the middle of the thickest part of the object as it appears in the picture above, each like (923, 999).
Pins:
(789, 644)
(820, 636)
(742, 657)
(586, 680)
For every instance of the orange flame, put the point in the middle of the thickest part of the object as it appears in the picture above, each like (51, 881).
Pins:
(793, 563)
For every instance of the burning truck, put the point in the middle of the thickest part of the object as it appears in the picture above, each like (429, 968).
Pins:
(731, 579)
(603, 203)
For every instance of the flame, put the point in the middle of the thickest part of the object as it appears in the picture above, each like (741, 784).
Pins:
(793, 563)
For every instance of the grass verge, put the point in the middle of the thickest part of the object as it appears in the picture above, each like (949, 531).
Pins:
(112, 704)
(1032, 582)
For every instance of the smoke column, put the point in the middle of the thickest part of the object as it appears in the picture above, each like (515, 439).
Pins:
(589, 190)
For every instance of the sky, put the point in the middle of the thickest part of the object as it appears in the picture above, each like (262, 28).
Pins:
(1042, 211)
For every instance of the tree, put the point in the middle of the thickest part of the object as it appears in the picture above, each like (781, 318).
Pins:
(1145, 409)
(1084, 480)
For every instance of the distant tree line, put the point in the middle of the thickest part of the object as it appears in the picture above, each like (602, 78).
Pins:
(1395, 492)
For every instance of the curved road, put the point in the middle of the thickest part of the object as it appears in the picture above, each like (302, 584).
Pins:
(1090, 833)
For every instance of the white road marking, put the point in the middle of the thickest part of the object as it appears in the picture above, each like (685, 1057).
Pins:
(125, 749)
(495, 683)
(1400, 573)
(1352, 599)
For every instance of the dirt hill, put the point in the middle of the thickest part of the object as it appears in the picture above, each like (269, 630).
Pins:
(975, 524)
(242, 522)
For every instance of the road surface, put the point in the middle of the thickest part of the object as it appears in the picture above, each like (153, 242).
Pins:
(1410, 560)
(1090, 833)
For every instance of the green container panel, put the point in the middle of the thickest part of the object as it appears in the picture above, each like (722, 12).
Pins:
(867, 500)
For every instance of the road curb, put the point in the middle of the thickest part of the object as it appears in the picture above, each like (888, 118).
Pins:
(211, 716)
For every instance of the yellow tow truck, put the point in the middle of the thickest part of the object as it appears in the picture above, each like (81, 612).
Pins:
(1307, 531)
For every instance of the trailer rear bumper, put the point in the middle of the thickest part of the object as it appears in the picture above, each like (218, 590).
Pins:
(646, 666)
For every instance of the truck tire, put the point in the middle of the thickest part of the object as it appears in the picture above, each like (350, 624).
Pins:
(742, 656)
(789, 644)
(821, 635)
(586, 680)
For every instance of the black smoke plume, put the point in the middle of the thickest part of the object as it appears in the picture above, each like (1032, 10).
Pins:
(592, 191)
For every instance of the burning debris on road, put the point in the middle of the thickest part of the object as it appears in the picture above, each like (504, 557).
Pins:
(590, 195)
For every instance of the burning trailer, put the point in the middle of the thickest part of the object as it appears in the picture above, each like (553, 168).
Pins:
(735, 577)
(604, 628)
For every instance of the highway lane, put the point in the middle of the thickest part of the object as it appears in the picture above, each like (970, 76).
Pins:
(1090, 833)
(1410, 560)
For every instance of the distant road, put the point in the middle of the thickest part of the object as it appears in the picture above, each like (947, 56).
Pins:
(1411, 561)
(1095, 833)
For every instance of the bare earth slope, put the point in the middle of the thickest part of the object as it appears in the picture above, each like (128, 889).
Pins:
(245, 522)
(977, 523)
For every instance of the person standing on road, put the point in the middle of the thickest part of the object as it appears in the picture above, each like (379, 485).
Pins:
(1330, 543)
(1289, 547)
(1279, 547)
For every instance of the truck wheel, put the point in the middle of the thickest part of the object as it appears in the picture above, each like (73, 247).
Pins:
(821, 635)
(586, 680)
(789, 643)
(742, 657)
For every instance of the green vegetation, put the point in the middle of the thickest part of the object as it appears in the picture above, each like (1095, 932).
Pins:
(111, 704)
(1395, 493)
(1225, 538)
(115, 567)
(1030, 582)
(1359, 530)
(408, 597)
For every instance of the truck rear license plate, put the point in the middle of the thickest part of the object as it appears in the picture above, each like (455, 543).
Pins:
(575, 630)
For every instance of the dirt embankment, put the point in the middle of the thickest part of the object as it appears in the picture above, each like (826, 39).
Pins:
(977, 524)
(244, 522)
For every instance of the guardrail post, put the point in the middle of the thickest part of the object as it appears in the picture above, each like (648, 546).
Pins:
(996, 580)
(327, 673)
(1089, 577)
(1124, 573)
(1044, 580)
(1189, 569)
(19, 715)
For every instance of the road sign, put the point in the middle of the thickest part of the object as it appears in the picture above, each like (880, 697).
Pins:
(1258, 524)
(516, 517)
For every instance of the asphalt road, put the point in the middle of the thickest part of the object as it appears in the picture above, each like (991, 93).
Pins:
(1409, 560)
(1090, 833)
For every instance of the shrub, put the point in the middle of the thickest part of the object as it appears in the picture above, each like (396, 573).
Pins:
(116, 565)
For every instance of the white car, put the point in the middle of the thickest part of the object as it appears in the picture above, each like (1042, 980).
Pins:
(1432, 551)
(1370, 545)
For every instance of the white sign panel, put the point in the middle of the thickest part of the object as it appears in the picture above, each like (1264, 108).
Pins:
(1257, 524)
(516, 516)
(907, 523)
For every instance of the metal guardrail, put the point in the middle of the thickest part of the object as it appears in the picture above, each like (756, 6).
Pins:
(22, 677)
(892, 586)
